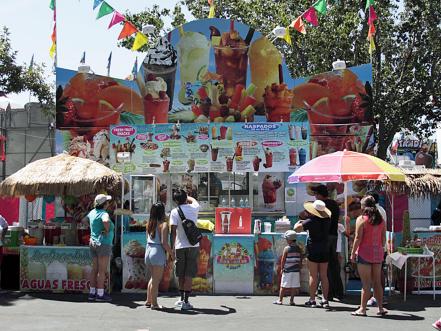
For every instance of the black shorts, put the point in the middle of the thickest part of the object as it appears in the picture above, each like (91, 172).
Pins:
(317, 253)
(187, 262)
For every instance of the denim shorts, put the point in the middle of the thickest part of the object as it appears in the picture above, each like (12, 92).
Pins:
(154, 255)
(101, 250)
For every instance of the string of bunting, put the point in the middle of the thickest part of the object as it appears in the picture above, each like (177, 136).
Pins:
(318, 8)
(53, 48)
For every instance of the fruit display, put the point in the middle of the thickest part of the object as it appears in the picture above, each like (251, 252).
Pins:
(88, 100)
(333, 101)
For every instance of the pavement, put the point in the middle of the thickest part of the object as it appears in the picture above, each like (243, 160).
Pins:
(19, 311)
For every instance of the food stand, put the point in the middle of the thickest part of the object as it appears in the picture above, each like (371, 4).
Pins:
(55, 256)
(214, 111)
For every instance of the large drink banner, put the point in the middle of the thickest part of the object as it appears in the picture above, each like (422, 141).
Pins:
(195, 148)
(136, 274)
(55, 269)
(233, 263)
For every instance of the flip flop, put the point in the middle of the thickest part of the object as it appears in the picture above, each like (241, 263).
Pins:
(382, 313)
(292, 304)
(147, 304)
(158, 307)
(277, 302)
(357, 313)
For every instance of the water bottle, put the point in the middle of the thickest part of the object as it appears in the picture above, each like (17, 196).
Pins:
(241, 203)
(247, 204)
(233, 203)
(223, 202)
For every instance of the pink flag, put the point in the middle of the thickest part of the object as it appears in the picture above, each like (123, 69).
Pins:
(372, 15)
(117, 18)
(311, 16)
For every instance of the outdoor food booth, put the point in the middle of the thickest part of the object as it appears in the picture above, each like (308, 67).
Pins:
(54, 253)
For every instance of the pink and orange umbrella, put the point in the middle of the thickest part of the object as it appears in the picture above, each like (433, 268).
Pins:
(346, 166)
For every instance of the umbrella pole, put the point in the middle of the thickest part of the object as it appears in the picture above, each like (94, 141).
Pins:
(346, 239)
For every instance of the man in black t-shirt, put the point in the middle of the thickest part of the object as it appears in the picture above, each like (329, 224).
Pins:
(335, 283)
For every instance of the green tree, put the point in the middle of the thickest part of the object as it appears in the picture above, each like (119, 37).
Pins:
(406, 64)
(15, 78)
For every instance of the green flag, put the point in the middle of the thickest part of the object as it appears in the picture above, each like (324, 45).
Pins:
(369, 3)
(52, 5)
(105, 9)
(320, 6)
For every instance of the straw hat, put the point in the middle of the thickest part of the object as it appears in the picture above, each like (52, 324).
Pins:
(317, 208)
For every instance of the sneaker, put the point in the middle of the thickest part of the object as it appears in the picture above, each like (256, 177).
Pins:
(179, 303)
(372, 302)
(437, 325)
(324, 304)
(186, 306)
(91, 297)
(310, 303)
(103, 298)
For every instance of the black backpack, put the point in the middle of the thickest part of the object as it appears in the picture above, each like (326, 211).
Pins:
(192, 232)
(436, 216)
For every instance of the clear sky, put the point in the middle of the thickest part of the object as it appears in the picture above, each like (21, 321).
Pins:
(30, 23)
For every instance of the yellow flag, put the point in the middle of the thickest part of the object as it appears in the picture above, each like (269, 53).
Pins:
(212, 13)
(371, 45)
(52, 50)
(140, 40)
(287, 36)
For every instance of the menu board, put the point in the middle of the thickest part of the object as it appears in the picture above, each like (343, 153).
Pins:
(217, 147)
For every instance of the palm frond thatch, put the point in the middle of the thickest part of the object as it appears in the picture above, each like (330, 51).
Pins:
(61, 175)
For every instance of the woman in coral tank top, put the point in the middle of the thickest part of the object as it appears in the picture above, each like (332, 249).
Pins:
(367, 251)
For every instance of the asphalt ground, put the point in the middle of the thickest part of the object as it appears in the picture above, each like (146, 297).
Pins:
(19, 311)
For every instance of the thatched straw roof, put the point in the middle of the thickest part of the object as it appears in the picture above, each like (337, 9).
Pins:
(61, 175)
(419, 183)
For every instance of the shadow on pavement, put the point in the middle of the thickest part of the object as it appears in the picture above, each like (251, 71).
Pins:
(200, 311)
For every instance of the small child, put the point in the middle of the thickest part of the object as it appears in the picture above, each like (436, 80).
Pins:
(290, 264)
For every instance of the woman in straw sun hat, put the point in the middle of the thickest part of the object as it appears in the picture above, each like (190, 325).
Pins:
(317, 224)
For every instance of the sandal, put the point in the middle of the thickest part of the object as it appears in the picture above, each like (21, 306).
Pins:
(147, 304)
(382, 312)
(278, 302)
(358, 313)
(291, 303)
(157, 307)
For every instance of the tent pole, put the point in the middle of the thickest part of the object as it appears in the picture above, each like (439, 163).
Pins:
(346, 239)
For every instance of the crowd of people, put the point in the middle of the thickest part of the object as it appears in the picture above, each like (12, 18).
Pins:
(319, 218)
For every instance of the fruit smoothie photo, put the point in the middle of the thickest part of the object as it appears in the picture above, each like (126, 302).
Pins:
(264, 62)
(278, 102)
(156, 100)
(193, 56)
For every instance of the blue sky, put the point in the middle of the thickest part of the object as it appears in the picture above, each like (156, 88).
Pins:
(30, 23)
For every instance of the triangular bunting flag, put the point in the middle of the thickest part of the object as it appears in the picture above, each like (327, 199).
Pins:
(371, 31)
(287, 36)
(127, 30)
(52, 51)
(212, 12)
(320, 6)
(311, 16)
(117, 18)
(369, 3)
(299, 25)
(105, 9)
(52, 5)
(96, 3)
(372, 15)
(140, 40)
(371, 45)
(54, 34)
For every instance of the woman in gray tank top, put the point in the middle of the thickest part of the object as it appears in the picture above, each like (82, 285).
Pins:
(155, 252)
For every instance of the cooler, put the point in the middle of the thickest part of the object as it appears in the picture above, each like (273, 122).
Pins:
(13, 236)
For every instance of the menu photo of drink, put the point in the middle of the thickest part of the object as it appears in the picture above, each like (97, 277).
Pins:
(197, 147)
(299, 144)
(221, 147)
(260, 147)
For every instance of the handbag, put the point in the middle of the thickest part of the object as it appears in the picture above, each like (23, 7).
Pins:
(192, 232)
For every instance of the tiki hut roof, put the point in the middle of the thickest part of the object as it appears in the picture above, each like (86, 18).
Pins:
(61, 175)
(419, 183)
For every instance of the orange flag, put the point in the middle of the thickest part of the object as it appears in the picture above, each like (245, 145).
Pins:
(371, 31)
(299, 25)
(127, 30)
